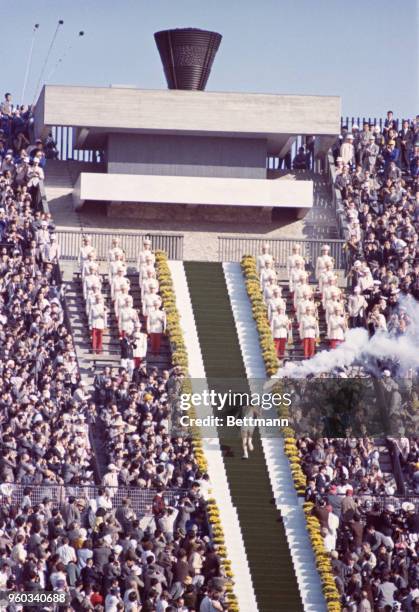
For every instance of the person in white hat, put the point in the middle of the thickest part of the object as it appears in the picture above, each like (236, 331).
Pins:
(91, 280)
(296, 272)
(128, 318)
(330, 289)
(50, 251)
(275, 301)
(347, 150)
(85, 250)
(148, 264)
(301, 286)
(268, 290)
(149, 281)
(267, 273)
(118, 281)
(156, 326)
(115, 252)
(140, 345)
(91, 299)
(264, 257)
(294, 258)
(336, 327)
(120, 300)
(118, 263)
(149, 300)
(357, 305)
(332, 303)
(305, 302)
(146, 255)
(326, 275)
(365, 278)
(87, 263)
(324, 261)
(281, 330)
(97, 323)
(309, 332)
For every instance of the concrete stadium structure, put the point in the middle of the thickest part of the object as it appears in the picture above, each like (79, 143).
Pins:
(189, 148)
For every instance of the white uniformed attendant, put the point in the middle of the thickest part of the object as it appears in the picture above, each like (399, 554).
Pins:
(326, 273)
(275, 301)
(300, 288)
(115, 251)
(268, 290)
(117, 264)
(156, 326)
(146, 254)
(294, 258)
(149, 282)
(330, 289)
(336, 328)
(331, 305)
(305, 302)
(295, 274)
(118, 281)
(123, 295)
(86, 248)
(91, 299)
(281, 328)
(97, 323)
(323, 259)
(146, 265)
(356, 308)
(88, 263)
(267, 273)
(140, 345)
(128, 318)
(149, 300)
(263, 258)
(309, 331)
(90, 281)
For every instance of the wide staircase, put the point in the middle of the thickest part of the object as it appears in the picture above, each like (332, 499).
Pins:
(295, 351)
(264, 537)
(89, 363)
(111, 345)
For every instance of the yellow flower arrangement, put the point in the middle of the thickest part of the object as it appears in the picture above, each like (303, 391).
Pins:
(260, 315)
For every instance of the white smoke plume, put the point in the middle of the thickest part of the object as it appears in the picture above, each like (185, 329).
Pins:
(358, 348)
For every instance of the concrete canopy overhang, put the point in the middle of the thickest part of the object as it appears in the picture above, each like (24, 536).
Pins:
(96, 112)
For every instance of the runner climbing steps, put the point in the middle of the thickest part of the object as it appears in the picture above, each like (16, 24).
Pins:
(264, 538)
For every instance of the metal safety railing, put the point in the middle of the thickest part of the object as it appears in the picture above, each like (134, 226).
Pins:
(65, 140)
(232, 248)
(59, 494)
(350, 121)
(70, 243)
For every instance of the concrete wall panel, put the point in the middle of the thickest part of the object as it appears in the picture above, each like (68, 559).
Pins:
(186, 156)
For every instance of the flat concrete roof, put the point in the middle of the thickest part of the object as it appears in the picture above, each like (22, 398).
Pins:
(158, 189)
(111, 109)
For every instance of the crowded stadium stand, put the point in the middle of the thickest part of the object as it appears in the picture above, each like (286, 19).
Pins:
(140, 538)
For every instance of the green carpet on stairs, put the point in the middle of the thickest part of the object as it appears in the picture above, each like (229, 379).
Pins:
(264, 537)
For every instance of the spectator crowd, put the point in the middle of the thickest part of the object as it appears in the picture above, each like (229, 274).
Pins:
(96, 546)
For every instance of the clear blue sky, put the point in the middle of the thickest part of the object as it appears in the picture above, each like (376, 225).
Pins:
(366, 51)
